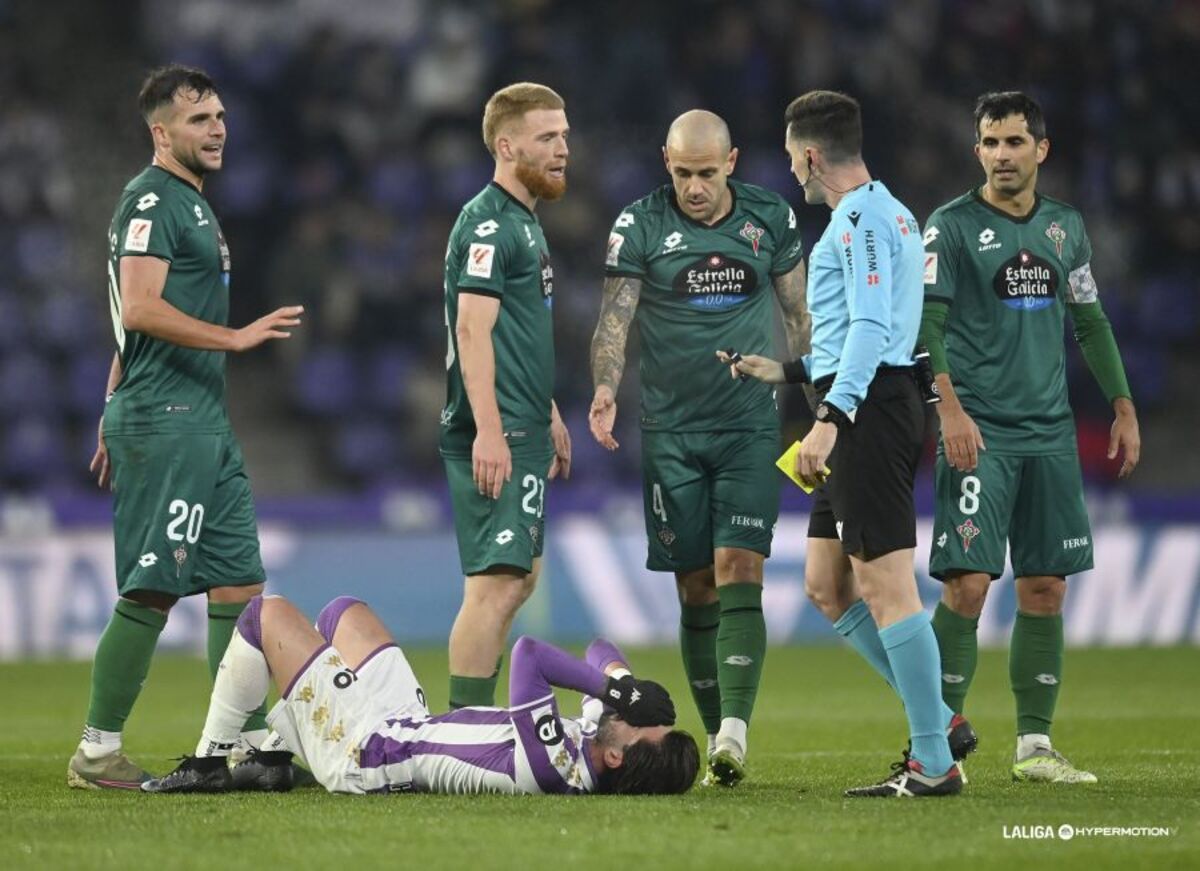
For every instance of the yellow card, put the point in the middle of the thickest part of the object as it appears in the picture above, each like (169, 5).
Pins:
(787, 465)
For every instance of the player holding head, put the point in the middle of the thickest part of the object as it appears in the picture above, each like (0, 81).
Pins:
(1004, 264)
(353, 710)
(693, 263)
(865, 295)
(502, 436)
(183, 516)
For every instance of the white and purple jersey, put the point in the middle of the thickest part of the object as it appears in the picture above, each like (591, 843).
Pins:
(527, 748)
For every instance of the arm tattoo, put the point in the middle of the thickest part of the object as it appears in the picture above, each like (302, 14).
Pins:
(790, 288)
(621, 293)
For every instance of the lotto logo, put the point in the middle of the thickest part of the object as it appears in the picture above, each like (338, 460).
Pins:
(739, 659)
(1046, 679)
(147, 202)
(487, 228)
(672, 241)
(625, 219)
(931, 233)
(987, 236)
(147, 560)
(504, 537)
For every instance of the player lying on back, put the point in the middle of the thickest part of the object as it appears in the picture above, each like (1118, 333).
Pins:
(352, 710)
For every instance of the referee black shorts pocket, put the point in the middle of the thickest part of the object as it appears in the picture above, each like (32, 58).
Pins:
(874, 465)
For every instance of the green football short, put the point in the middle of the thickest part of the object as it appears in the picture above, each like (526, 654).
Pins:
(704, 490)
(1033, 504)
(183, 516)
(509, 531)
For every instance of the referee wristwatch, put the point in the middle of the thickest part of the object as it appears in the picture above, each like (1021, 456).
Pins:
(827, 413)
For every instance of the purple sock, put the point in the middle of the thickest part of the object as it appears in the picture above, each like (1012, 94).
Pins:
(327, 620)
(249, 624)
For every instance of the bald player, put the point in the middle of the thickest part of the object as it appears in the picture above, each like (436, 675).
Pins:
(693, 264)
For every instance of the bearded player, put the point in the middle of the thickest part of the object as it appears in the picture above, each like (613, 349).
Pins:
(698, 263)
(183, 515)
(354, 711)
(502, 436)
(1003, 265)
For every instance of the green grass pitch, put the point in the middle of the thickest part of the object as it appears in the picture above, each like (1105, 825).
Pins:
(823, 723)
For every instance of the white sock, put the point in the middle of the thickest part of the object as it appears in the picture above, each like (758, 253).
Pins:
(241, 686)
(97, 742)
(733, 730)
(712, 744)
(274, 741)
(254, 738)
(1026, 744)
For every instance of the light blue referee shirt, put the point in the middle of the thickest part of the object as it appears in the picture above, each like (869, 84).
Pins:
(865, 290)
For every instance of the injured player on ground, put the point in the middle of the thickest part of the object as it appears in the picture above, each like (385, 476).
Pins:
(352, 710)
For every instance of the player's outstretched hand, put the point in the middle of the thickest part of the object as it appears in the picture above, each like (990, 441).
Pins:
(602, 417)
(272, 326)
(961, 438)
(763, 368)
(561, 438)
(1125, 436)
(99, 464)
(640, 702)
(491, 462)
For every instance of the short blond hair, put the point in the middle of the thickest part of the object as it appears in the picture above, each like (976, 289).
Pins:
(511, 103)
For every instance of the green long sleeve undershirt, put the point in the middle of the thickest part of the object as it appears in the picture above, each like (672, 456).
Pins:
(1093, 332)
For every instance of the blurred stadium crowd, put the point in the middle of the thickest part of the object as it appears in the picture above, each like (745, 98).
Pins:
(354, 139)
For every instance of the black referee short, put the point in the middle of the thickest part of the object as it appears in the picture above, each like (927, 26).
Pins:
(867, 501)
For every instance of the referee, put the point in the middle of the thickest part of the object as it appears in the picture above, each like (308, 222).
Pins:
(865, 294)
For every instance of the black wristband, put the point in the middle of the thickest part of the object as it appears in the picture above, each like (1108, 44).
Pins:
(794, 372)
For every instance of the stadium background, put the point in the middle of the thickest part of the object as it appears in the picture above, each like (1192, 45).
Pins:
(353, 141)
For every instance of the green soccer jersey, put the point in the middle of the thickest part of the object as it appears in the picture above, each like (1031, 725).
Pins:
(704, 288)
(166, 388)
(497, 249)
(1007, 281)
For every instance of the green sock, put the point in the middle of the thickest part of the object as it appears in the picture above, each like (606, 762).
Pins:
(958, 643)
(122, 662)
(698, 626)
(1035, 660)
(471, 692)
(741, 647)
(222, 620)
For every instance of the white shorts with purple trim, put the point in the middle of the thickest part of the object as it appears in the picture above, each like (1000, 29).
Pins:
(330, 709)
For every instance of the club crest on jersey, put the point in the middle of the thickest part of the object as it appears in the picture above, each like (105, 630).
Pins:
(752, 234)
(1057, 235)
(181, 556)
(666, 536)
(968, 532)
